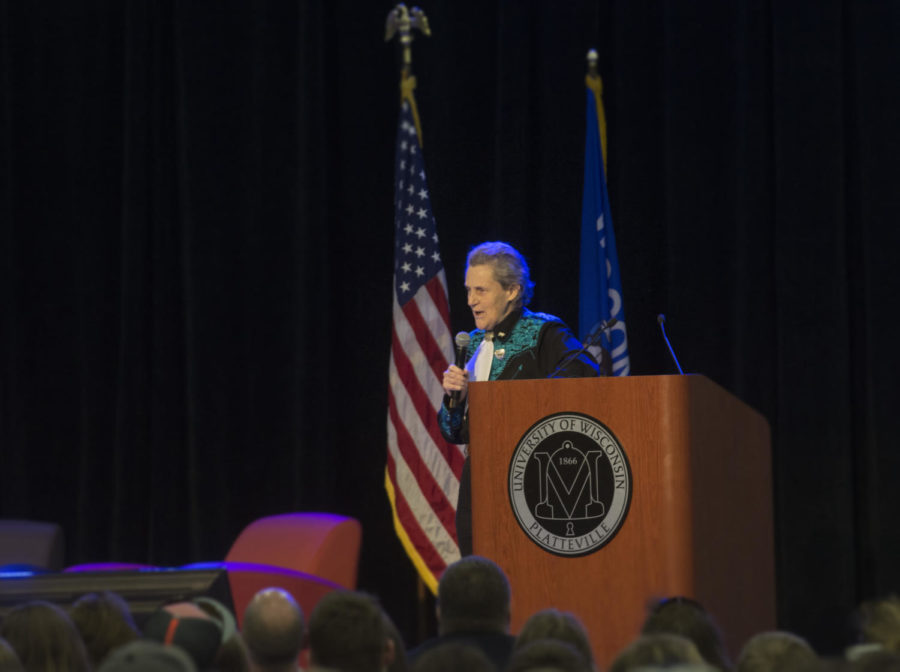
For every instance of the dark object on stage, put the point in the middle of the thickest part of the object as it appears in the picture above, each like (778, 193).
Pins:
(30, 543)
(144, 591)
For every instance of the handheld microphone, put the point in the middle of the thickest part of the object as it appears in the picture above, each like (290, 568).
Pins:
(462, 340)
(662, 325)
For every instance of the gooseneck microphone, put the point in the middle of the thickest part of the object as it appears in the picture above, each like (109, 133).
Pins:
(593, 338)
(662, 325)
(462, 345)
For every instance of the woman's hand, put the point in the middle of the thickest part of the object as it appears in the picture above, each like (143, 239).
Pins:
(456, 380)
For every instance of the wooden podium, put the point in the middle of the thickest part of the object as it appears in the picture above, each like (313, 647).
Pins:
(699, 523)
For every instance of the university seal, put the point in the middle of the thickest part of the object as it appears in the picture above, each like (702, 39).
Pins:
(570, 484)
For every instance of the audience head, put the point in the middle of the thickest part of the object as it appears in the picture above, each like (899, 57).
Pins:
(877, 661)
(104, 622)
(231, 656)
(400, 663)
(687, 617)
(9, 661)
(548, 655)
(657, 650)
(187, 625)
(879, 622)
(347, 633)
(869, 660)
(775, 652)
(273, 629)
(557, 625)
(44, 638)
(453, 657)
(827, 665)
(148, 656)
(473, 595)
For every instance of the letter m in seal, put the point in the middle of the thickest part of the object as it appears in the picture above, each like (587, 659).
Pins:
(567, 484)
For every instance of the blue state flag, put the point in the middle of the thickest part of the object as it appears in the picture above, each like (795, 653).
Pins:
(600, 287)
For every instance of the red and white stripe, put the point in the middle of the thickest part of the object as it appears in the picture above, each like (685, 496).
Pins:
(423, 469)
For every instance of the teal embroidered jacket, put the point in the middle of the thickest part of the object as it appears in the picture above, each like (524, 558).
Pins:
(526, 345)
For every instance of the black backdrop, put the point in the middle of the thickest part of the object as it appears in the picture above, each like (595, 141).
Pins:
(195, 262)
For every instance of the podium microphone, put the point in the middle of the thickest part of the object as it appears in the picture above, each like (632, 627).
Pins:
(593, 338)
(462, 345)
(662, 325)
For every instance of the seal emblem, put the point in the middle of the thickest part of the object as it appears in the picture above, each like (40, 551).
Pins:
(570, 484)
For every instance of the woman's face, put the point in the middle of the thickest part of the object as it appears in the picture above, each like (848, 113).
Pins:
(489, 302)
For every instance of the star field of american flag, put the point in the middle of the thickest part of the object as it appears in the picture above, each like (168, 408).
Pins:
(416, 255)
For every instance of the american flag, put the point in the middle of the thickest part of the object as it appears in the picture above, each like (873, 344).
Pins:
(422, 475)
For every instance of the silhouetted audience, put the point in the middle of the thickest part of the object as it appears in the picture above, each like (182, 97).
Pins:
(400, 663)
(104, 622)
(877, 661)
(878, 623)
(148, 656)
(828, 665)
(473, 608)
(657, 650)
(232, 654)
(347, 633)
(454, 657)
(548, 654)
(687, 617)
(186, 625)
(775, 651)
(9, 661)
(558, 625)
(273, 631)
(44, 638)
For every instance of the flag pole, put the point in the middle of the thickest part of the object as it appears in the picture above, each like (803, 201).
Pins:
(401, 22)
(595, 84)
(600, 283)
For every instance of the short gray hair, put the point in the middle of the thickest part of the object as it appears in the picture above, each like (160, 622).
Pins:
(510, 267)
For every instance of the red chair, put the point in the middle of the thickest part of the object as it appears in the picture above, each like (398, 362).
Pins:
(307, 554)
(322, 544)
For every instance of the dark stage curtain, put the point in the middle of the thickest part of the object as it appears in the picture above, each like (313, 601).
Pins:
(195, 266)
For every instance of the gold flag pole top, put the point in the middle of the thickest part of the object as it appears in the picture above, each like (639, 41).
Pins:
(595, 84)
(402, 20)
(592, 63)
